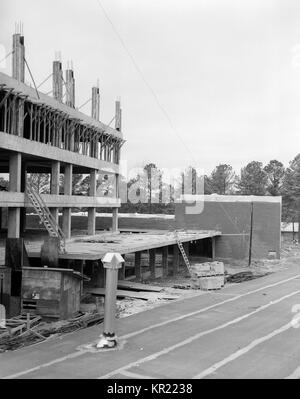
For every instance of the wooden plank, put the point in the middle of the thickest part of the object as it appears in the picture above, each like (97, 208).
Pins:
(130, 285)
(132, 294)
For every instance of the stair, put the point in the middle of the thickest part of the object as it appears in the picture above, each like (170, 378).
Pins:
(46, 217)
(185, 258)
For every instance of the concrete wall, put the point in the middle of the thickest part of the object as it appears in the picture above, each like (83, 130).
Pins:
(231, 215)
(105, 222)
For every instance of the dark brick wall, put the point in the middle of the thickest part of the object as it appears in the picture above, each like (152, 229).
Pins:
(233, 218)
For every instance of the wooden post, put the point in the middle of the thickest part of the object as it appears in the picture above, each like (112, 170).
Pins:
(152, 253)
(165, 270)
(251, 233)
(175, 259)
(137, 265)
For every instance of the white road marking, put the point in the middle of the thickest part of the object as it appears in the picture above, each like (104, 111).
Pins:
(126, 336)
(197, 336)
(130, 335)
(295, 375)
(135, 375)
(242, 351)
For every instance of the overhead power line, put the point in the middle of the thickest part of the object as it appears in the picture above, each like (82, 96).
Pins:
(138, 69)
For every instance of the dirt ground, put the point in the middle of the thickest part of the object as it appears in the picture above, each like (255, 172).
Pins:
(290, 254)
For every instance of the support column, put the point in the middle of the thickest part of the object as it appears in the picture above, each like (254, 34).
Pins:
(165, 251)
(137, 265)
(213, 248)
(92, 211)
(175, 259)
(70, 88)
(121, 274)
(15, 165)
(67, 191)
(57, 81)
(115, 226)
(152, 253)
(54, 186)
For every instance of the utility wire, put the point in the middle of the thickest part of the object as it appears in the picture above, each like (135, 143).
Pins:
(138, 69)
(87, 101)
(7, 55)
(37, 93)
(44, 81)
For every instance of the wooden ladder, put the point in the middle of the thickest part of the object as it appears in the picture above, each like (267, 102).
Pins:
(184, 255)
(46, 217)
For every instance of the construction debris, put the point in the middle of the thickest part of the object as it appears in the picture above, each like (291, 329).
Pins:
(208, 275)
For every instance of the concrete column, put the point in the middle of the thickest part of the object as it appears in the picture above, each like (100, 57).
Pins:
(121, 274)
(70, 88)
(213, 247)
(54, 185)
(67, 191)
(165, 251)
(57, 81)
(115, 226)
(18, 58)
(92, 211)
(175, 259)
(118, 117)
(15, 166)
(112, 262)
(95, 103)
(137, 265)
(152, 253)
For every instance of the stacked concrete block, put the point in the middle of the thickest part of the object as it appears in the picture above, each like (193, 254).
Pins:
(208, 275)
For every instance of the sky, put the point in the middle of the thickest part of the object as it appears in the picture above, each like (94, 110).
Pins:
(202, 82)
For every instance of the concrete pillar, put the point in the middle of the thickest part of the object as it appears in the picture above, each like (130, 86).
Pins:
(92, 211)
(115, 226)
(70, 88)
(165, 251)
(15, 166)
(175, 259)
(54, 185)
(213, 247)
(118, 117)
(152, 253)
(122, 274)
(67, 191)
(18, 58)
(137, 265)
(96, 103)
(57, 81)
(112, 262)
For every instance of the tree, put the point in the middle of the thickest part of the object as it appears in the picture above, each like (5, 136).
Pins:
(291, 192)
(253, 179)
(3, 184)
(275, 173)
(222, 179)
(40, 181)
(152, 180)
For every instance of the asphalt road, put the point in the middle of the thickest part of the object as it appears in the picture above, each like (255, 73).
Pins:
(247, 330)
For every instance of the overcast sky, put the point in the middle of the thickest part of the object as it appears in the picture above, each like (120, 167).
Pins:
(226, 72)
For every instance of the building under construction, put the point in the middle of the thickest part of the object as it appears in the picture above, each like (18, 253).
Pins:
(44, 134)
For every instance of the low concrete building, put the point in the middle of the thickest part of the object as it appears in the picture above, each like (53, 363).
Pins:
(232, 216)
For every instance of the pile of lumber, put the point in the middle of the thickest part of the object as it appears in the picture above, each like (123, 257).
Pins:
(18, 334)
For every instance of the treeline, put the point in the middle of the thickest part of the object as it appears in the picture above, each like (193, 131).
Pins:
(153, 193)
